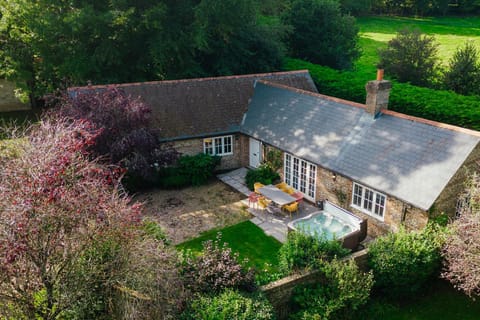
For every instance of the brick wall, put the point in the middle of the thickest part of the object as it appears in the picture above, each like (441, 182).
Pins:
(280, 292)
(238, 159)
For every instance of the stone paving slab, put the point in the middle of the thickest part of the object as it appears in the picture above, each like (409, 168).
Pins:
(274, 226)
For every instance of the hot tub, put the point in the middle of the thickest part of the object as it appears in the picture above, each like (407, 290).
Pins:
(333, 222)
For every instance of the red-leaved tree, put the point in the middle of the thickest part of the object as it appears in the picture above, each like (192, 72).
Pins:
(124, 135)
(66, 229)
(462, 249)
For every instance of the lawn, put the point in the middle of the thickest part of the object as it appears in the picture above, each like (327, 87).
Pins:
(245, 238)
(449, 32)
(439, 301)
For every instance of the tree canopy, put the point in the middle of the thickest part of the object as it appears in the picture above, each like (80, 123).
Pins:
(52, 44)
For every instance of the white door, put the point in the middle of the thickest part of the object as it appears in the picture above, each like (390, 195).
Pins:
(255, 154)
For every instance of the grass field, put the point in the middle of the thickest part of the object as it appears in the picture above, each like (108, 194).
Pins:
(449, 32)
(245, 238)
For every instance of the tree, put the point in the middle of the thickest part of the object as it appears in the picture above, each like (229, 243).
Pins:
(322, 34)
(123, 135)
(463, 74)
(230, 41)
(53, 44)
(68, 236)
(410, 57)
(461, 251)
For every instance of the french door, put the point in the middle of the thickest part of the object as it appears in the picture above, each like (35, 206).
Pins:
(300, 175)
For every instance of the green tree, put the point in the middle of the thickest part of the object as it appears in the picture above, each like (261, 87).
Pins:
(411, 57)
(463, 74)
(321, 33)
(53, 44)
(230, 41)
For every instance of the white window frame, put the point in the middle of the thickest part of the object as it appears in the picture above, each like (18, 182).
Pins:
(218, 146)
(366, 200)
(300, 175)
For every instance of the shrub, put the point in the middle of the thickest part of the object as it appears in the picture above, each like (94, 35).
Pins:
(199, 168)
(229, 305)
(437, 105)
(263, 174)
(215, 269)
(463, 74)
(410, 57)
(343, 290)
(462, 248)
(402, 262)
(304, 251)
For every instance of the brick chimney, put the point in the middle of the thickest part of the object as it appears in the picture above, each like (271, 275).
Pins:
(378, 92)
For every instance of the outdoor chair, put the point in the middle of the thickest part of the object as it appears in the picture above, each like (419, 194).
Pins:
(257, 185)
(299, 197)
(282, 186)
(263, 203)
(253, 198)
(291, 208)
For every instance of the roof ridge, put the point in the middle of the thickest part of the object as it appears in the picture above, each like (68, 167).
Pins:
(193, 79)
(387, 111)
(433, 123)
(314, 94)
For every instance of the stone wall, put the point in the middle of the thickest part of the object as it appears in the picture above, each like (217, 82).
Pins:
(280, 292)
(236, 160)
(338, 189)
(447, 200)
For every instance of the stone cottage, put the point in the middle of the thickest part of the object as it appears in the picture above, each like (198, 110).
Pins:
(391, 168)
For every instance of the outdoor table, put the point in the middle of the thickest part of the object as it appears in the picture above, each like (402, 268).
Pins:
(276, 195)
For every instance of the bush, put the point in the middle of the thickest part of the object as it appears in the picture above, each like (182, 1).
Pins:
(344, 289)
(229, 305)
(263, 174)
(304, 251)
(410, 57)
(216, 269)
(437, 105)
(402, 262)
(199, 168)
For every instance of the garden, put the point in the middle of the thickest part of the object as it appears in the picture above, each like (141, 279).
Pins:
(99, 220)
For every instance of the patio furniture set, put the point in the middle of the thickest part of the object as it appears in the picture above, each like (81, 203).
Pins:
(276, 198)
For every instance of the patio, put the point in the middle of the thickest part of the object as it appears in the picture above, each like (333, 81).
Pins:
(274, 225)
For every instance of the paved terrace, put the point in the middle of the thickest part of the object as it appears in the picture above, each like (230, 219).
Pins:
(273, 225)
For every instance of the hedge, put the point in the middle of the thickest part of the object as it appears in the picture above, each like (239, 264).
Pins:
(437, 105)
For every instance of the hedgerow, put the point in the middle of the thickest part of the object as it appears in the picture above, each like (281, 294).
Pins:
(437, 105)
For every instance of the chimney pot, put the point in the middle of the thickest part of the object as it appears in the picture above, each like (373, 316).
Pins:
(380, 74)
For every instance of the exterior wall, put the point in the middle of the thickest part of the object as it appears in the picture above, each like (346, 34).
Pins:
(236, 160)
(338, 189)
(447, 200)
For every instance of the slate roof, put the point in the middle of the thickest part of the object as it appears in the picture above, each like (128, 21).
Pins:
(205, 106)
(409, 158)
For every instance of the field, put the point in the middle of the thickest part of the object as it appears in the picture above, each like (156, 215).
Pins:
(450, 33)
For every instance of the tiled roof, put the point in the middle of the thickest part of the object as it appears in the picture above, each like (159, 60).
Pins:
(409, 158)
(205, 106)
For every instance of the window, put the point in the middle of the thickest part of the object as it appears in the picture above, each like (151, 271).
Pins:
(369, 201)
(220, 146)
(301, 175)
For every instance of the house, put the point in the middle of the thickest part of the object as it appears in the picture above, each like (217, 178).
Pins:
(391, 168)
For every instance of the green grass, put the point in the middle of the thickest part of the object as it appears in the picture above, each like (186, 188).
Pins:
(439, 301)
(449, 32)
(245, 238)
